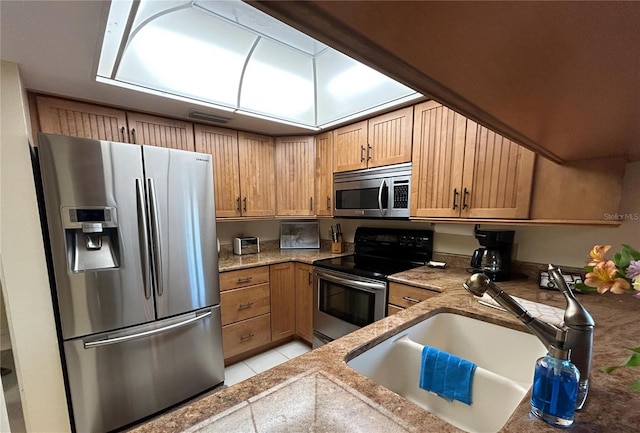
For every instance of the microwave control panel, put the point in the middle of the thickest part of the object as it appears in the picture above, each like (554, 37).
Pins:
(401, 195)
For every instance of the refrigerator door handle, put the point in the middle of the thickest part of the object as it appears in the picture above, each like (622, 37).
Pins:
(145, 334)
(155, 236)
(143, 239)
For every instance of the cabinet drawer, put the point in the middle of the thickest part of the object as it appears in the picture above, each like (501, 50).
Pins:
(392, 309)
(244, 303)
(406, 296)
(246, 335)
(244, 277)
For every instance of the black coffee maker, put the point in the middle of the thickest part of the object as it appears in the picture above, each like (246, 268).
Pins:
(494, 259)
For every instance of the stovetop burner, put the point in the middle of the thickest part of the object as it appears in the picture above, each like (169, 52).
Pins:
(381, 252)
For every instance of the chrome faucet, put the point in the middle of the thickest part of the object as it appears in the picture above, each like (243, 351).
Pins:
(577, 323)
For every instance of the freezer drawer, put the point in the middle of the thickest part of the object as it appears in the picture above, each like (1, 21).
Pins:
(119, 377)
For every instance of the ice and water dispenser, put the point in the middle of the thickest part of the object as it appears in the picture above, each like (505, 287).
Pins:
(91, 235)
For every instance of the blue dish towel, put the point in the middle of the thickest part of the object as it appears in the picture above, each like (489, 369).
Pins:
(447, 375)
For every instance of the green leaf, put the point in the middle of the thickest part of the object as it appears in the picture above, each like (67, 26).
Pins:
(583, 287)
(635, 387)
(589, 268)
(634, 361)
(632, 251)
(622, 259)
(609, 370)
(635, 349)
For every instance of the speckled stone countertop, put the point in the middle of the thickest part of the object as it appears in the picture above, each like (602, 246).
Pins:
(227, 261)
(610, 407)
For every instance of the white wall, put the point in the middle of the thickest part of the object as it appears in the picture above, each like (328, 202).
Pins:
(25, 282)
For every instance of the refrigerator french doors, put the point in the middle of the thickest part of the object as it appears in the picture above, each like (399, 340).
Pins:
(132, 237)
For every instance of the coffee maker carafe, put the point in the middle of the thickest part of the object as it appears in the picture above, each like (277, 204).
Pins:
(494, 259)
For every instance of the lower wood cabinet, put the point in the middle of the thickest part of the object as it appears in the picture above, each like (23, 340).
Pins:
(245, 335)
(244, 303)
(283, 307)
(304, 301)
(402, 296)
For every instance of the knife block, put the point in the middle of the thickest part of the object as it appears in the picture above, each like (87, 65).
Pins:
(337, 247)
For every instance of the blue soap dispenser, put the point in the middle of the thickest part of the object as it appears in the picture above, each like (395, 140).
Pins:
(555, 385)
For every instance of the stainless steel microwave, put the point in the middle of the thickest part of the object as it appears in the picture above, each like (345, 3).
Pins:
(381, 192)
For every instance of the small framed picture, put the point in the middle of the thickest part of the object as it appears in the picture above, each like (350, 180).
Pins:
(299, 235)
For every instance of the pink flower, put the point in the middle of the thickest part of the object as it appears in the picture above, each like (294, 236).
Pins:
(603, 278)
(597, 254)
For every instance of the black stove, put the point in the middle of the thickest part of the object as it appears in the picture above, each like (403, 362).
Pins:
(380, 252)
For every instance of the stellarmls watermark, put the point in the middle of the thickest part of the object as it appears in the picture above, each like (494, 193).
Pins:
(622, 216)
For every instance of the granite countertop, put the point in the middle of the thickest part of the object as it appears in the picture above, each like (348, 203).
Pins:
(339, 399)
(230, 262)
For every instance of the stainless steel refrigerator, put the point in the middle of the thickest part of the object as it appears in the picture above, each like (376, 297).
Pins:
(134, 257)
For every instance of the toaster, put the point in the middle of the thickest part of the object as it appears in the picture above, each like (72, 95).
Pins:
(246, 245)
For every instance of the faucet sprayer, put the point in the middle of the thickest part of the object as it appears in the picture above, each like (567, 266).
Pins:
(577, 323)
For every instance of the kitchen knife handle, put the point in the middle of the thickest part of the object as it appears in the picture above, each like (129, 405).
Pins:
(143, 239)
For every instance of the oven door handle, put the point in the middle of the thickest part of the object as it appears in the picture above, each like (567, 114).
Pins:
(382, 211)
(374, 287)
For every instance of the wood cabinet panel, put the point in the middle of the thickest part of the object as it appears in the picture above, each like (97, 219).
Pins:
(160, 131)
(77, 119)
(283, 317)
(244, 303)
(392, 309)
(295, 181)
(405, 296)
(498, 175)
(245, 335)
(324, 174)
(351, 147)
(222, 144)
(304, 301)
(243, 277)
(257, 179)
(438, 158)
(389, 138)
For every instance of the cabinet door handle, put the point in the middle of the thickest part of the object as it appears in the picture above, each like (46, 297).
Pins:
(133, 136)
(246, 337)
(122, 130)
(455, 198)
(245, 279)
(465, 194)
(328, 203)
(311, 204)
(361, 153)
(238, 204)
(310, 278)
(368, 152)
(412, 300)
(245, 306)
(244, 204)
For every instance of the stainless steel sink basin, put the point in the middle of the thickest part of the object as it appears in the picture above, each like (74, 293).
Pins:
(505, 359)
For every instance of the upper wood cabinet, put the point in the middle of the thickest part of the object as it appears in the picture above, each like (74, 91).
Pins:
(324, 174)
(461, 169)
(256, 156)
(283, 307)
(77, 119)
(295, 181)
(160, 131)
(382, 140)
(222, 144)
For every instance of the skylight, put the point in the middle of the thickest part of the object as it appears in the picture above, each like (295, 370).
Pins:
(228, 55)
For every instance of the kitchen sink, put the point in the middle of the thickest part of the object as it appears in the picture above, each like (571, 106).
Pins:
(505, 358)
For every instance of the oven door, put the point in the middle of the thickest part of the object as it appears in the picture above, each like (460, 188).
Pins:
(343, 303)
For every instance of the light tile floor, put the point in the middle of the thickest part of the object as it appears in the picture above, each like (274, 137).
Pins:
(257, 364)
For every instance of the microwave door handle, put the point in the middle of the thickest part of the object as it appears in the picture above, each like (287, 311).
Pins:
(382, 211)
